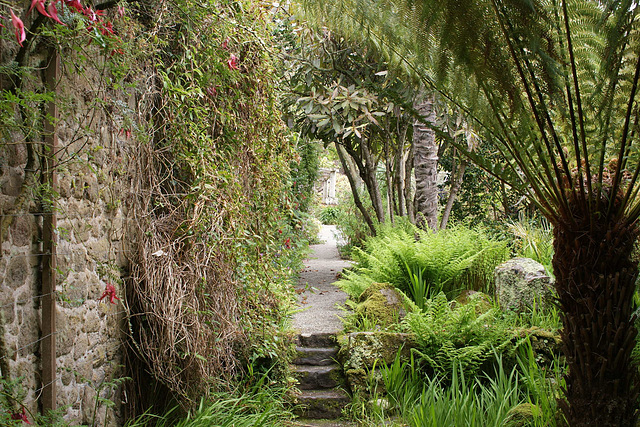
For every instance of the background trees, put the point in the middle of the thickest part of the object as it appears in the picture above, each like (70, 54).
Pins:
(554, 88)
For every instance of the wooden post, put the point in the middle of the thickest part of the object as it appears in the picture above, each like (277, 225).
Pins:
(49, 241)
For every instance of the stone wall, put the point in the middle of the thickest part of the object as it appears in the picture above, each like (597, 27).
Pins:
(92, 182)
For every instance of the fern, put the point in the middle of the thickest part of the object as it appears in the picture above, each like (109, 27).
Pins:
(458, 336)
(450, 260)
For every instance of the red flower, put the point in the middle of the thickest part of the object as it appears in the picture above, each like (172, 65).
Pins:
(53, 12)
(19, 27)
(211, 91)
(225, 43)
(233, 62)
(287, 243)
(39, 5)
(1, 17)
(109, 291)
(107, 29)
(75, 4)
(20, 416)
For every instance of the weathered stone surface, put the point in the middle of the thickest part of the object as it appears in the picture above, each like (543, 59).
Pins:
(17, 272)
(317, 340)
(315, 356)
(522, 283)
(383, 304)
(482, 300)
(317, 404)
(318, 377)
(22, 231)
(361, 352)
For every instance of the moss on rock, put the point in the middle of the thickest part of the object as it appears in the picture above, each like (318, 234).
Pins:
(362, 352)
(522, 415)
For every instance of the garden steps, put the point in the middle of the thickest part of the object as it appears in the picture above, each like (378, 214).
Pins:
(319, 382)
(319, 376)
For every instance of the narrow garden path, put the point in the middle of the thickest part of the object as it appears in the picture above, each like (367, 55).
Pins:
(318, 297)
(320, 377)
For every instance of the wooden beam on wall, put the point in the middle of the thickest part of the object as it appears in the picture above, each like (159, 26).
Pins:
(49, 241)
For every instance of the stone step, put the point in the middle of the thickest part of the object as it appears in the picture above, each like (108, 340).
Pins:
(315, 356)
(318, 377)
(322, 404)
(317, 340)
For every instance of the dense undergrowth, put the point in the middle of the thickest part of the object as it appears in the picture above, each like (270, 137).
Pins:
(471, 363)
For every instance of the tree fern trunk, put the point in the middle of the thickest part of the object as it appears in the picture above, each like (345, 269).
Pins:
(425, 164)
(595, 281)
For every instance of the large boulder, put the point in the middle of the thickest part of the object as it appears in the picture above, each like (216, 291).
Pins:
(363, 353)
(522, 283)
(382, 304)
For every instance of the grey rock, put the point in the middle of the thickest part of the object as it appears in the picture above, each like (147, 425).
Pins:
(522, 283)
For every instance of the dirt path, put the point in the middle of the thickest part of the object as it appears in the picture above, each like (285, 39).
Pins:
(318, 297)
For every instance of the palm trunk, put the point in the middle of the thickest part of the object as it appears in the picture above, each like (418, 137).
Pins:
(595, 281)
(425, 164)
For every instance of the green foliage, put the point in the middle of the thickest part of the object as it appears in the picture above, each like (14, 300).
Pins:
(534, 239)
(257, 404)
(329, 215)
(461, 400)
(304, 172)
(462, 335)
(450, 260)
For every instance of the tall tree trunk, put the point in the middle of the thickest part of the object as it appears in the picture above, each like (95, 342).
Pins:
(368, 174)
(408, 196)
(399, 182)
(354, 188)
(456, 183)
(399, 171)
(425, 163)
(595, 280)
(389, 179)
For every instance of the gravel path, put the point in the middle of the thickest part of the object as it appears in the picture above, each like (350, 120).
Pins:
(318, 297)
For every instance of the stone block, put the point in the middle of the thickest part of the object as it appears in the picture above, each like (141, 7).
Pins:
(22, 230)
(383, 304)
(361, 352)
(17, 271)
(12, 183)
(522, 283)
(91, 322)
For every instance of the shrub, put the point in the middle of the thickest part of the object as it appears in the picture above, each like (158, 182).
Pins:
(329, 215)
(404, 256)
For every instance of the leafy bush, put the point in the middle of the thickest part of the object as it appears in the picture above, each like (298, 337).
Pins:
(450, 260)
(329, 215)
(462, 336)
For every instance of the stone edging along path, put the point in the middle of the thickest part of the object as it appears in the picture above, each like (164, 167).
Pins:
(320, 378)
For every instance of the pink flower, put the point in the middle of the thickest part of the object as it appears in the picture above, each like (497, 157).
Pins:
(39, 5)
(211, 91)
(109, 291)
(20, 416)
(1, 17)
(75, 4)
(121, 10)
(19, 27)
(233, 62)
(53, 12)
(107, 29)
(225, 43)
